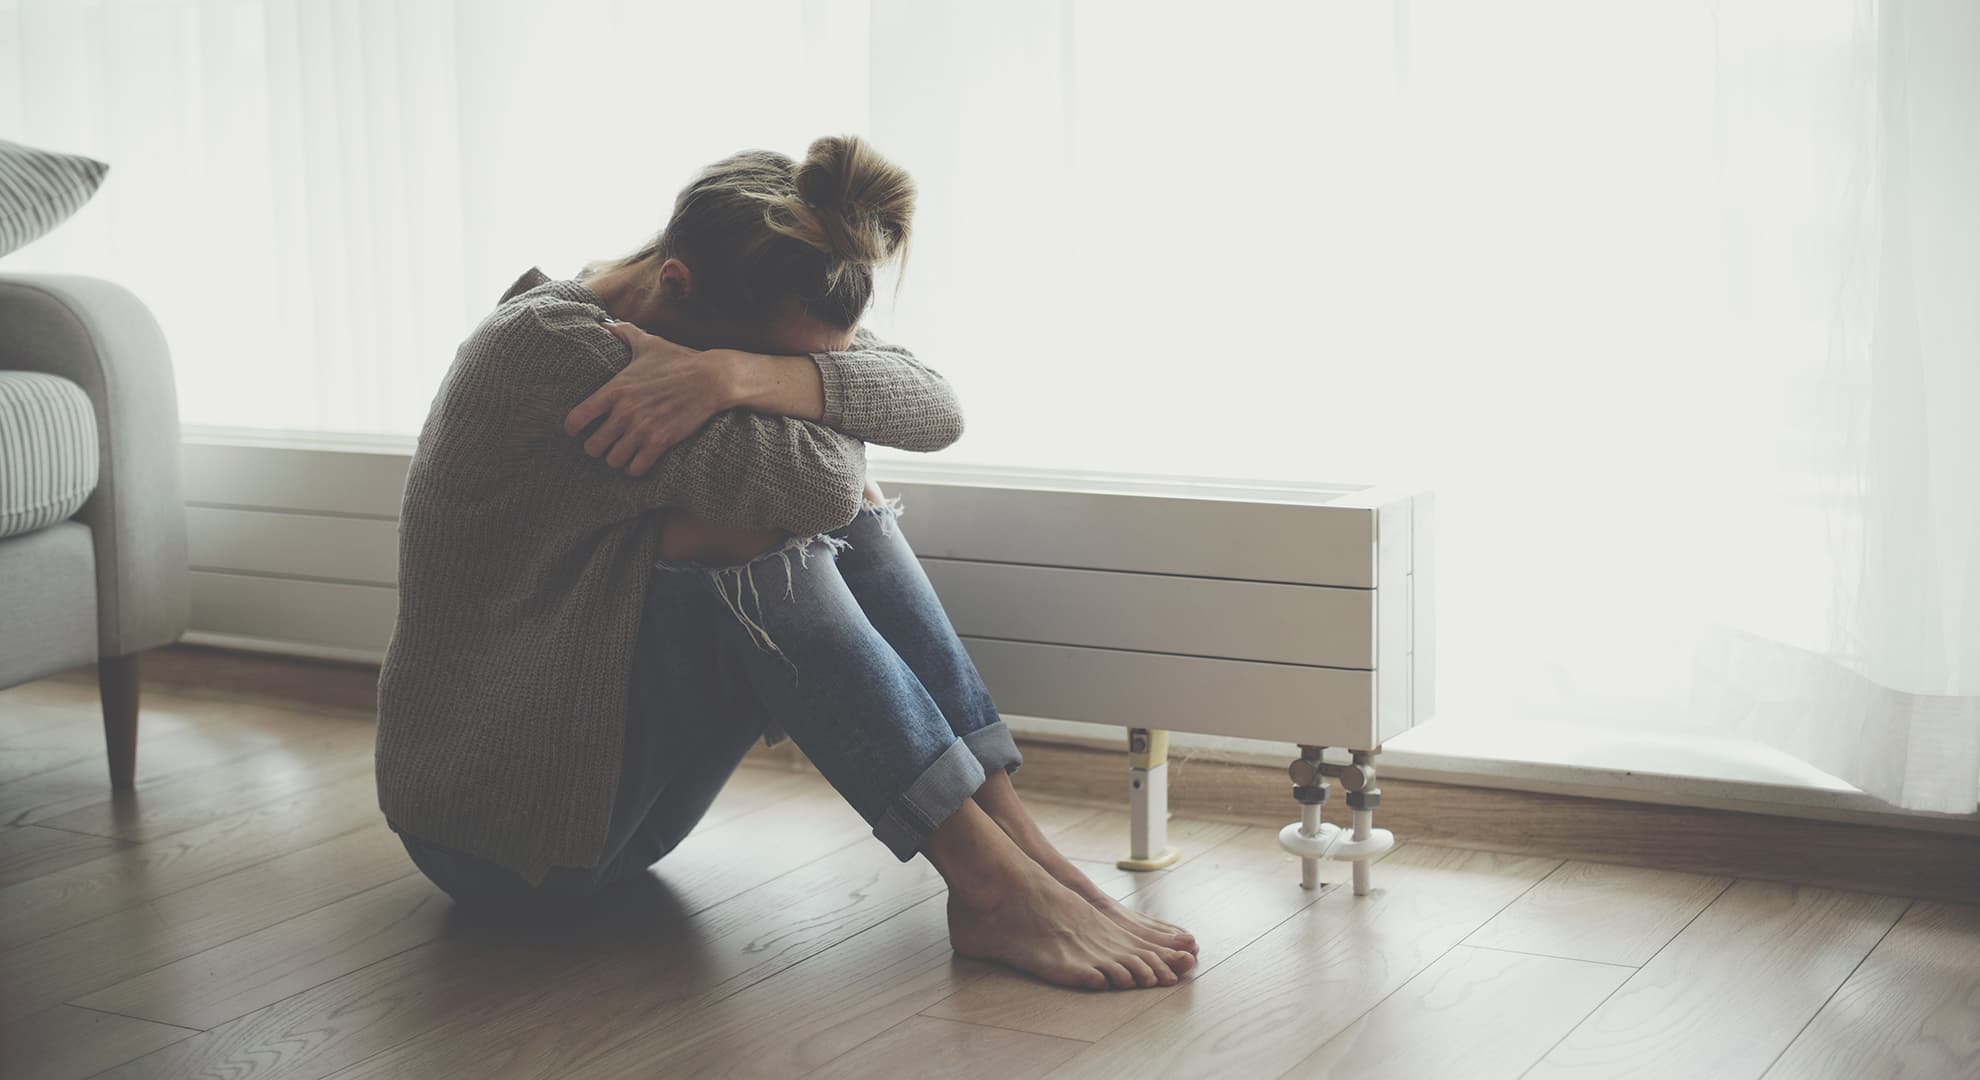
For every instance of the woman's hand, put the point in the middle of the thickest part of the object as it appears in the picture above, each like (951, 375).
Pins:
(662, 396)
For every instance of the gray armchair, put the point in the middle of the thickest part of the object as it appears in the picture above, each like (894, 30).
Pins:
(112, 580)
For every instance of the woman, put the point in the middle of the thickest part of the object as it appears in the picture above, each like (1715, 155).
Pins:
(592, 634)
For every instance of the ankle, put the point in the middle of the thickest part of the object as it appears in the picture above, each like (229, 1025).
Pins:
(981, 864)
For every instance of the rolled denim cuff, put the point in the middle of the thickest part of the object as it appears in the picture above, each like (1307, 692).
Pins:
(939, 791)
(994, 748)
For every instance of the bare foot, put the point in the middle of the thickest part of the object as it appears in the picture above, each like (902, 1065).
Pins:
(1147, 927)
(1041, 926)
(1001, 802)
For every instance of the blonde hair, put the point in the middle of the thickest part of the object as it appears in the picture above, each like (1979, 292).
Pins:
(760, 230)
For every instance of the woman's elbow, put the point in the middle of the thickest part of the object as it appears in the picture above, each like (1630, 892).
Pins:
(942, 431)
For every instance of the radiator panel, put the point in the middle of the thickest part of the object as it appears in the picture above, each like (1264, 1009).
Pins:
(1098, 530)
(1189, 616)
(1289, 702)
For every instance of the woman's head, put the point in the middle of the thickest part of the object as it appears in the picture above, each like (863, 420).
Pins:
(758, 239)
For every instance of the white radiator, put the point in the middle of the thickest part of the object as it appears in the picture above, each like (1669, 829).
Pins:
(1298, 613)
(1291, 612)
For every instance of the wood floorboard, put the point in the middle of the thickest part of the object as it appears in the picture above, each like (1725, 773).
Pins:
(246, 915)
(951, 1050)
(712, 953)
(65, 726)
(168, 764)
(1263, 1010)
(27, 710)
(1912, 1009)
(619, 975)
(66, 1043)
(1476, 1013)
(1732, 989)
(482, 965)
(811, 1012)
(222, 791)
(1607, 914)
(233, 979)
(1228, 901)
(129, 942)
(209, 988)
(29, 851)
(149, 873)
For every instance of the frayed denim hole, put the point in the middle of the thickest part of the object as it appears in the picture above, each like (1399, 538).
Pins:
(744, 575)
(889, 510)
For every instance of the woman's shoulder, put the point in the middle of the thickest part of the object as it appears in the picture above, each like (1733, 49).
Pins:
(546, 324)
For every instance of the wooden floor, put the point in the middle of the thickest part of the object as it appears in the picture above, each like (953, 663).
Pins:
(247, 914)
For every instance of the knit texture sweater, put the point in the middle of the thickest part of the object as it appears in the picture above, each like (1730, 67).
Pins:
(524, 563)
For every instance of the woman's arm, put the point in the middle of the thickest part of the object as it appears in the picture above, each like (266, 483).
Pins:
(735, 467)
(873, 392)
(879, 392)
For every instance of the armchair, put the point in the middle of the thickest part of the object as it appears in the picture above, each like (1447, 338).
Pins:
(113, 580)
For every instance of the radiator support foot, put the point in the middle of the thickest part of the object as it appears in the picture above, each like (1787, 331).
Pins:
(1312, 839)
(1148, 802)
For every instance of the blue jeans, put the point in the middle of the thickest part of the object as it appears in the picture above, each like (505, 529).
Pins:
(853, 658)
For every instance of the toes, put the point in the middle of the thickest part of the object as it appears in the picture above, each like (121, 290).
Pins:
(1138, 965)
(1179, 961)
(1164, 976)
(1089, 978)
(1168, 935)
(1117, 974)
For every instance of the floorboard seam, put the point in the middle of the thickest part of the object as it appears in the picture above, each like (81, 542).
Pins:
(1707, 906)
(1803, 1029)
(151, 900)
(1548, 956)
(1433, 962)
(112, 1012)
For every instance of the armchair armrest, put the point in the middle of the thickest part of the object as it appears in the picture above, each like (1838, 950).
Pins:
(99, 335)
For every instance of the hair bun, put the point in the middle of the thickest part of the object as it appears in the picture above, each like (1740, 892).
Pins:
(851, 203)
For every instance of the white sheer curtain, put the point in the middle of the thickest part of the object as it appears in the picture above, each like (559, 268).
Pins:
(1670, 301)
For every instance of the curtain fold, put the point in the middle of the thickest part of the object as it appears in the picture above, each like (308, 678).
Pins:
(1669, 300)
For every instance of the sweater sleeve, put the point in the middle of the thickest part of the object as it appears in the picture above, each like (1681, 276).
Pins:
(744, 468)
(739, 468)
(880, 393)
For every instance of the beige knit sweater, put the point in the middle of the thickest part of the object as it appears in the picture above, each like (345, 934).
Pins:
(523, 565)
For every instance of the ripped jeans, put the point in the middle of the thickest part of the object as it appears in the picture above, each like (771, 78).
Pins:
(836, 640)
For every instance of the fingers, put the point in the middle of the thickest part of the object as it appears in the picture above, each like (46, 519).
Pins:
(622, 451)
(628, 333)
(608, 434)
(600, 403)
(648, 454)
(588, 410)
(638, 449)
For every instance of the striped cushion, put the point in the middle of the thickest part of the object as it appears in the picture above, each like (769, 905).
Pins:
(40, 189)
(47, 450)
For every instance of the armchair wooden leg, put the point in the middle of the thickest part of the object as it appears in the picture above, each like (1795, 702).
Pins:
(117, 682)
